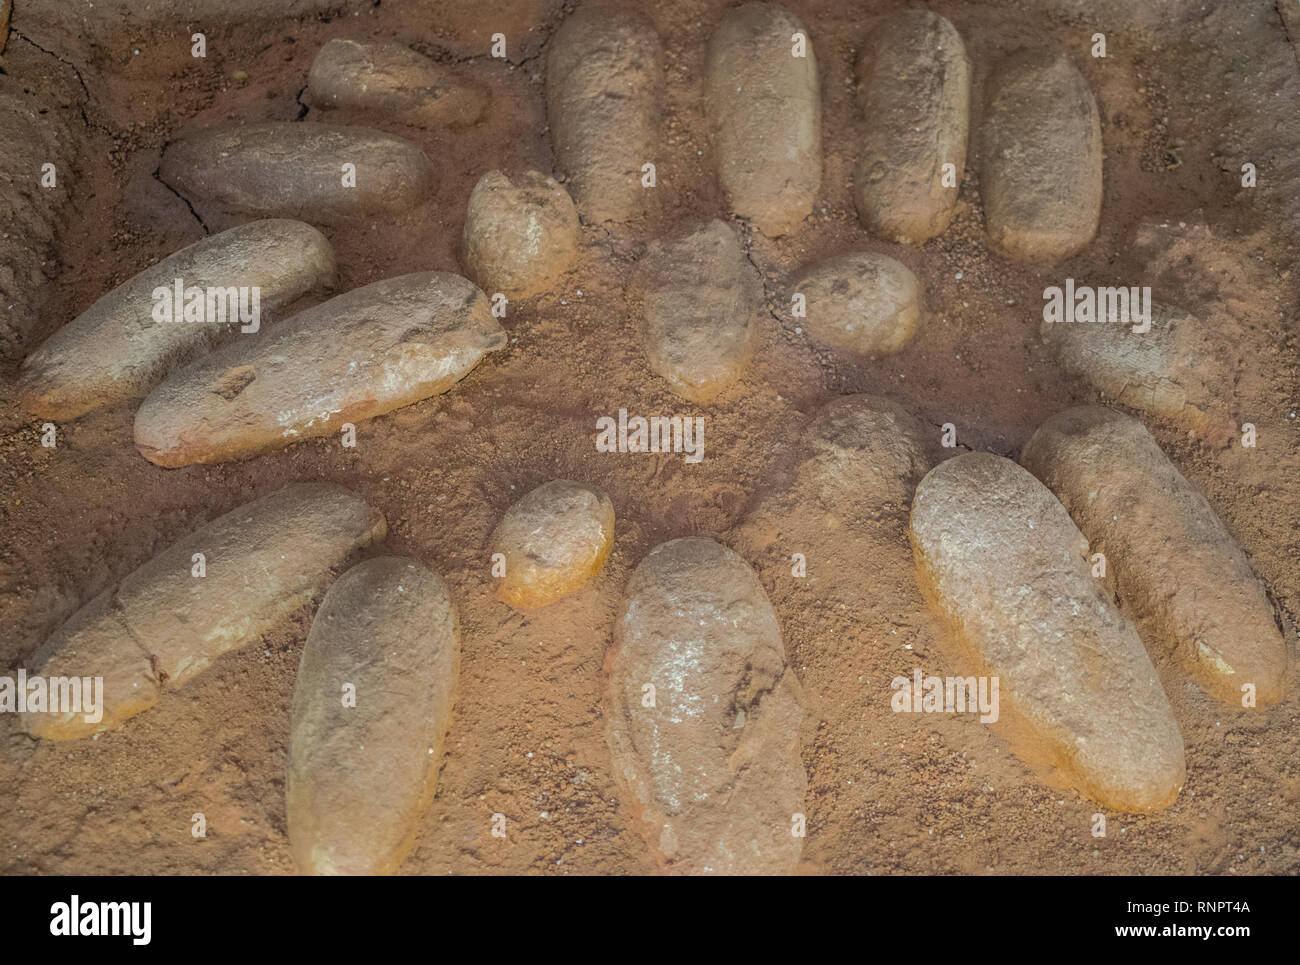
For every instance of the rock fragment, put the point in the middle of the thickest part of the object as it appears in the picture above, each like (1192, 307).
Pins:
(361, 774)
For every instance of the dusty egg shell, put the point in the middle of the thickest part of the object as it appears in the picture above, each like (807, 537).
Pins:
(1182, 369)
(843, 513)
(914, 88)
(862, 302)
(361, 774)
(863, 453)
(604, 87)
(763, 108)
(554, 540)
(117, 349)
(521, 233)
(297, 170)
(1006, 570)
(356, 356)
(391, 81)
(162, 625)
(700, 303)
(712, 768)
(1174, 562)
(1041, 172)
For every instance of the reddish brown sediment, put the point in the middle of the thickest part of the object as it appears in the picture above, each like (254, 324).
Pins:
(888, 793)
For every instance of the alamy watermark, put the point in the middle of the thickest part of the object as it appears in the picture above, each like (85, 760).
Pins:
(132, 919)
(216, 304)
(53, 695)
(921, 694)
(1084, 304)
(684, 434)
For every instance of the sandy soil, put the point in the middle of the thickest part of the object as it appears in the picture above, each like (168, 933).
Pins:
(1188, 92)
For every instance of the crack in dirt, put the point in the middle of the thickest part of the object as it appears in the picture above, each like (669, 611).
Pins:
(517, 64)
(85, 118)
(541, 49)
(824, 359)
(202, 224)
(747, 248)
(442, 55)
(1286, 32)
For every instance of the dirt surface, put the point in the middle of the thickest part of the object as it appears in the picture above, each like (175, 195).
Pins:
(1188, 92)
